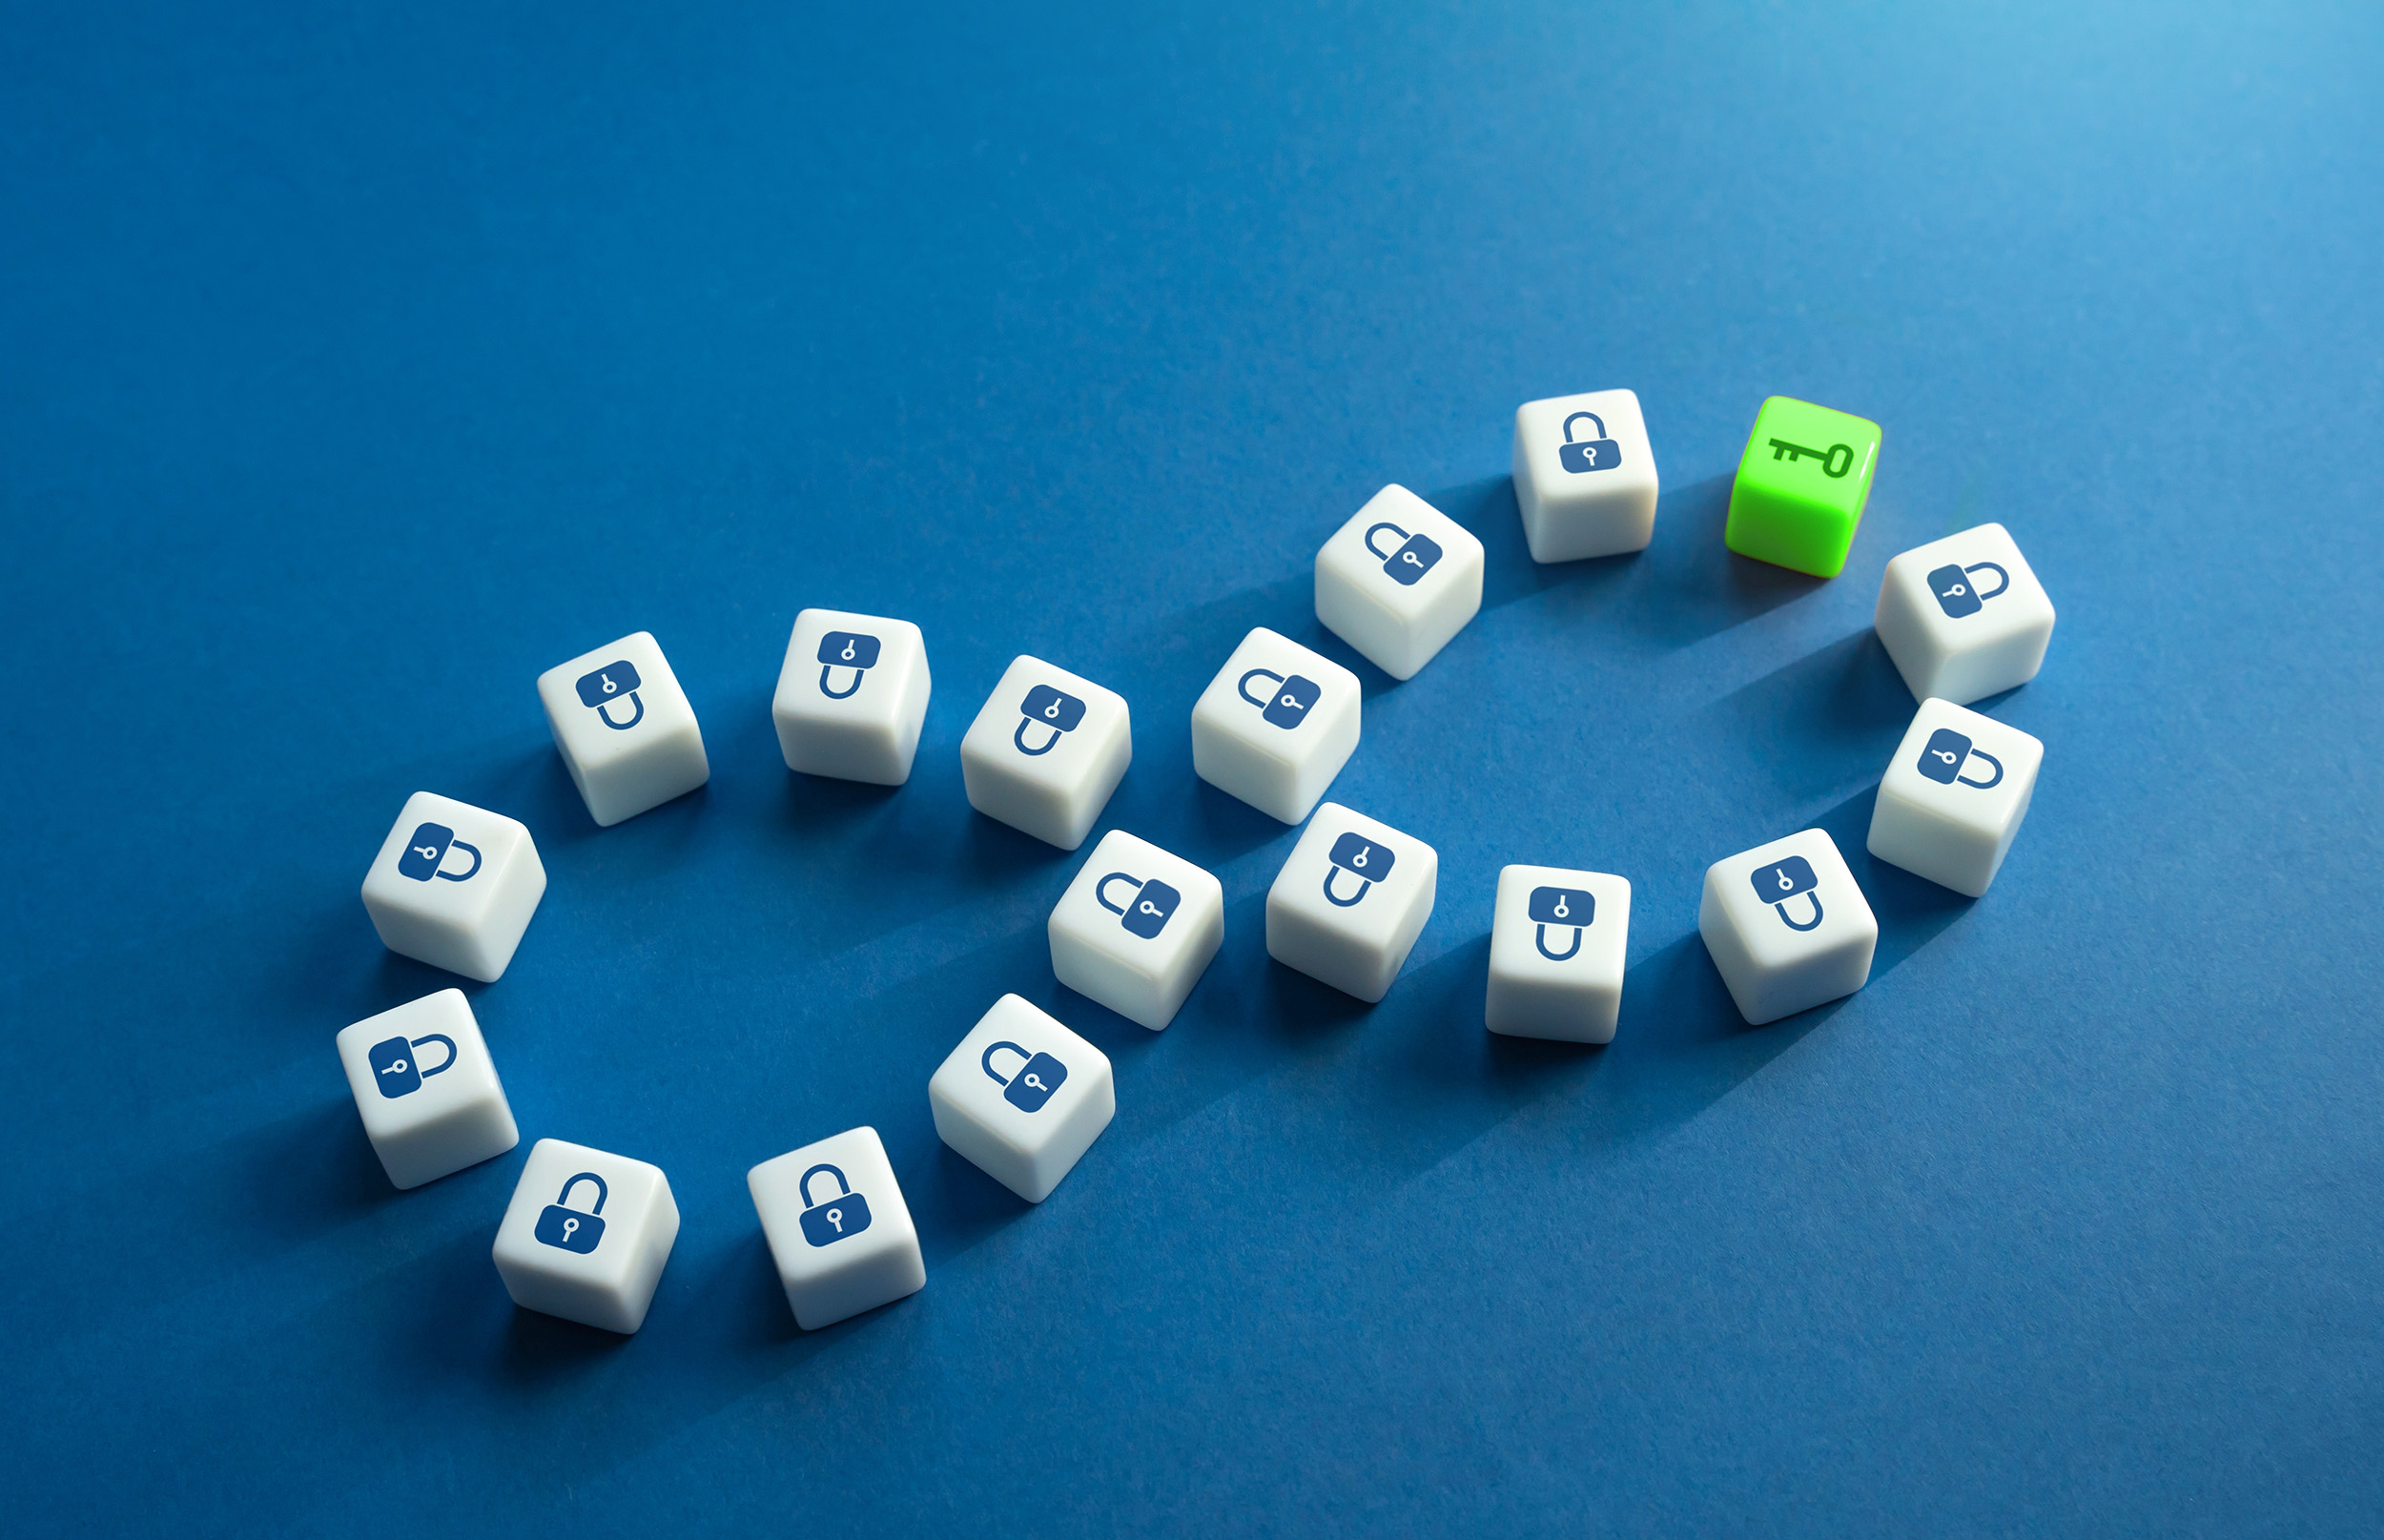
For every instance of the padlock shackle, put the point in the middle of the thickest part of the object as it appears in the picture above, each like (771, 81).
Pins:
(1989, 566)
(1541, 940)
(604, 715)
(1385, 556)
(562, 1199)
(1366, 885)
(1578, 417)
(1243, 688)
(441, 869)
(1975, 753)
(858, 674)
(436, 1036)
(987, 1060)
(804, 1187)
(1100, 898)
(1018, 737)
(1814, 922)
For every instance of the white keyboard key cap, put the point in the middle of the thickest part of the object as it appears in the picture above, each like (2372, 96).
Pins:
(427, 1089)
(1585, 477)
(1787, 927)
(453, 886)
(1557, 941)
(1963, 617)
(1348, 906)
(587, 1236)
(626, 731)
(852, 697)
(1135, 929)
(1398, 581)
(1276, 724)
(837, 1228)
(1046, 751)
(1023, 1098)
(1953, 797)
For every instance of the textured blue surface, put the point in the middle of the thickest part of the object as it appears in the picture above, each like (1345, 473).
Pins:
(356, 363)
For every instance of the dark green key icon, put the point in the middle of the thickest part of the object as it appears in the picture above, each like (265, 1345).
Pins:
(1836, 460)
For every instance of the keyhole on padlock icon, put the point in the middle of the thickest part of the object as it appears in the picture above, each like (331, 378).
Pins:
(428, 852)
(848, 652)
(1292, 702)
(1784, 884)
(1946, 755)
(1409, 557)
(609, 686)
(569, 1225)
(835, 1216)
(1561, 910)
(1359, 859)
(1052, 710)
(1036, 1081)
(1148, 908)
(397, 1066)
(1956, 592)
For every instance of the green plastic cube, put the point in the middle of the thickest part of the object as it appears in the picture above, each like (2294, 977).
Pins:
(1802, 485)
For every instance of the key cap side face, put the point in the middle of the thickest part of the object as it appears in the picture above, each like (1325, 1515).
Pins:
(1786, 507)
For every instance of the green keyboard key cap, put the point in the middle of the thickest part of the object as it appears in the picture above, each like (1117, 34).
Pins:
(1802, 485)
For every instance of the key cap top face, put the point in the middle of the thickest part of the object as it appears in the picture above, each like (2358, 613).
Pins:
(1052, 708)
(847, 649)
(424, 850)
(1561, 906)
(1784, 880)
(1942, 760)
(612, 681)
(1354, 853)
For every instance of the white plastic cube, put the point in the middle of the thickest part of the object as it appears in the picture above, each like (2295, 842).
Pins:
(1348, 906)
(627, 733)
(1023, 1098)
(1787, 927)
(1585, 477)
(1963, 617)
(427, 1089)
(586, 1235)
(1135, 929)
(1954, 795)
(852, 697)
(1276, 724)
(1557, 939)
(1046, 751)
(1398, 581)
(837, 1228)
(453, 886)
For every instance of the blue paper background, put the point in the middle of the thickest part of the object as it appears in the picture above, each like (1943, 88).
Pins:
(359, 362)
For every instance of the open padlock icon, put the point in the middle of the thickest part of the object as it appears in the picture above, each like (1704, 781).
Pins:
(1600, 453)
(559, 1225)
(1036, 1080)
(1286, 704)
(846, 649)
(1561, 907)
(1782, 880)
(1947, 754)
(427, 854)
(397, 1070)
(832, 1218)
(598, 691)
(1361, 858)
(1146, 914)
(1055, 709)
(1956, 595)
(1406, 563)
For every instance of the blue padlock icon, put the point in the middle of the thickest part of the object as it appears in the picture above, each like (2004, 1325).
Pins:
(1942, 761)
(1561, 907)
(1600, 453)
(1408, 563)
(597, 692)
(1956, 595)
(1149, 912)
(427, 854)
(1055, 709)
(1287, 706)
(1036, 1080)
(1361, 858)
(562, 1225)
(846, 649)
(833, 1219)
(1782, 880)
(397, 1070)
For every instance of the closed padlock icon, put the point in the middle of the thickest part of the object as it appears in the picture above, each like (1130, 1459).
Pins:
(1361, 858)
(1055, 709)
(1036, 1080)
(1600, 453)
(1147, 913)
(1784, 880)
(1946, 757)
(1286, 704)
(1406, 563)
(831, 1220)
(845, 649)
(560, 1224)
(1560, 907)
(1956, 595)
(427, 854)
(612, 681)
(397, 1070)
